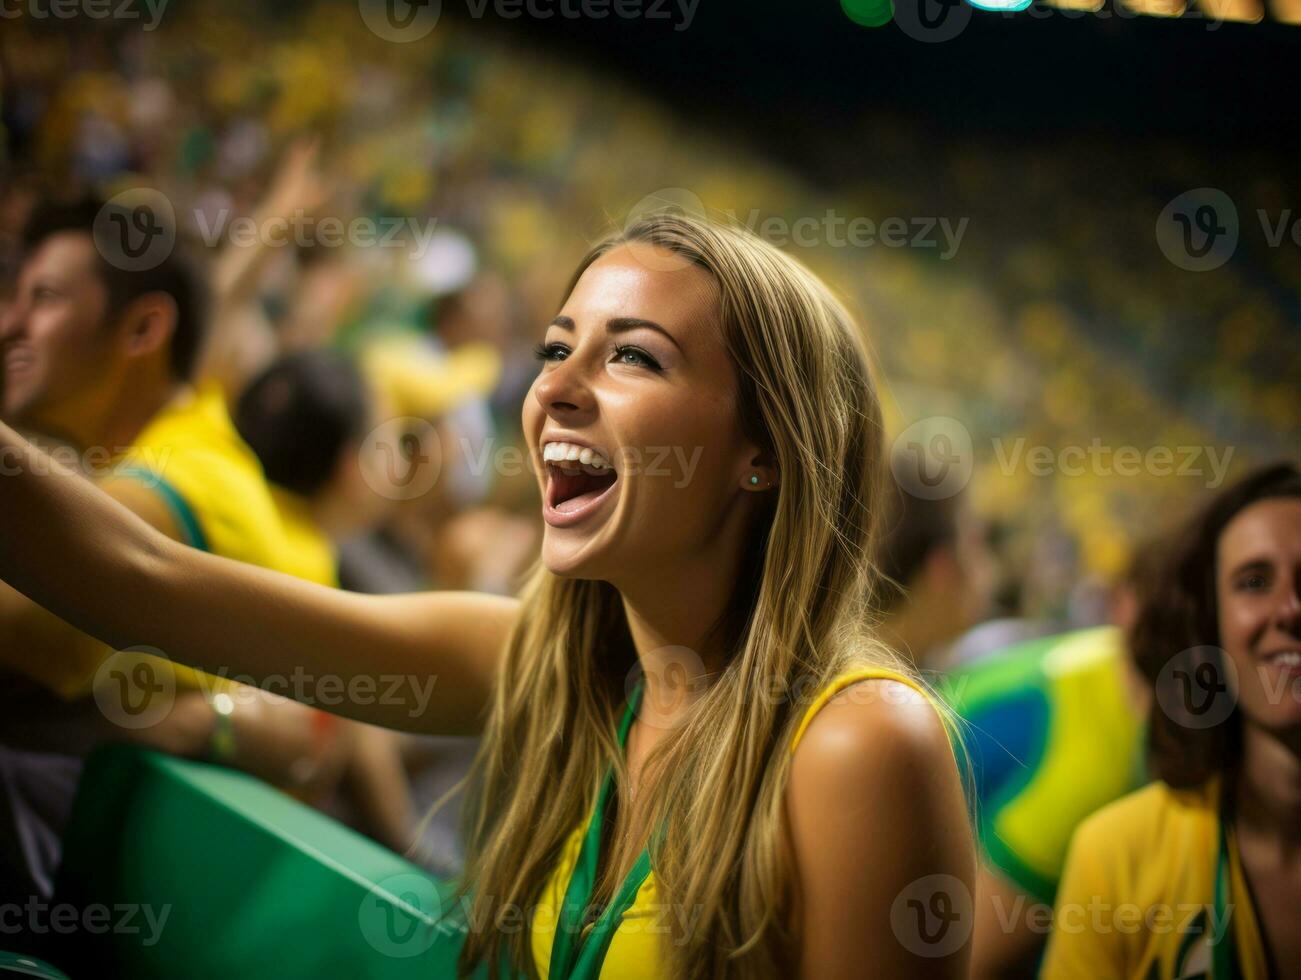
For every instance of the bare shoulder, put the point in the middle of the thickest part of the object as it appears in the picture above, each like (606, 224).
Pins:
(872, 728)
(876, 811)
(878, 744)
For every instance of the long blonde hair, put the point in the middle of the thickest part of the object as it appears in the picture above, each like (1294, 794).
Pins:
(800, 615)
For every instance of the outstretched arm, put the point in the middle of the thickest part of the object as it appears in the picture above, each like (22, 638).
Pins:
(418, 662)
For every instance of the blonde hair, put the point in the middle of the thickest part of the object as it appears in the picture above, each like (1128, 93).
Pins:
(800, 615)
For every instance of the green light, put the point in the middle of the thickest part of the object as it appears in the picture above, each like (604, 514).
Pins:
(868, 13)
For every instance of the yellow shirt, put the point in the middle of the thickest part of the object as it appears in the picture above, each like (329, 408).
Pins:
(1136, 898)
(634, 952)
(214, 487)
(308, 553)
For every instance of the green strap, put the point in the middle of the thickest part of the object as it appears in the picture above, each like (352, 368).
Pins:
(573, 956)
(1224, 960)
(178, 505)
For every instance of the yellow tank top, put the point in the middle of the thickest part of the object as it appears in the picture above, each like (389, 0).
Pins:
(634, 952)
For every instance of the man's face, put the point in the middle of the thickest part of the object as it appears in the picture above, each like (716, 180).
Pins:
(53, 327)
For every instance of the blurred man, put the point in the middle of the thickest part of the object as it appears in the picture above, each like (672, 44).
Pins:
(99, 355)
(308, 417)
(939, 575)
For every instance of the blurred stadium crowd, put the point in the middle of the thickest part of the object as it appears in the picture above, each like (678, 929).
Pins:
(515, 162)
(1055, 322)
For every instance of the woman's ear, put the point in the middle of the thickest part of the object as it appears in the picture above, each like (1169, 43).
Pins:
(761, 473)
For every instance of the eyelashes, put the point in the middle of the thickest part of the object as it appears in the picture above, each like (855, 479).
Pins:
(552, 352)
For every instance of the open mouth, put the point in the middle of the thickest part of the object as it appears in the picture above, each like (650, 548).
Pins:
(572, 486)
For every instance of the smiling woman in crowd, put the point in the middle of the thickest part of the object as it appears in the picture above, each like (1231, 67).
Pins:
(1199, 873)
(688, 723)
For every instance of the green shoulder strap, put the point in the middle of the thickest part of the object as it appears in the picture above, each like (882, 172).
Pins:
(176, 503)
(1224, 959)
(573, 956)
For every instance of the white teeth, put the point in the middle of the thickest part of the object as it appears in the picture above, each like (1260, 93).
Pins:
(556, 452)
(1288, 658)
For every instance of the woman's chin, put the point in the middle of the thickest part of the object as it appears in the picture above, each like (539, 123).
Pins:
(568, 560)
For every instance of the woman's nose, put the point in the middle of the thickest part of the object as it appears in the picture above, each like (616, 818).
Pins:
(1288, 612)
(562, 388)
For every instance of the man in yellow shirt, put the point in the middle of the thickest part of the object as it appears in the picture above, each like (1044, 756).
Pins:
(99, 351)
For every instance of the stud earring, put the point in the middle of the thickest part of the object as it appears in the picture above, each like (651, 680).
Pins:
(754, 479)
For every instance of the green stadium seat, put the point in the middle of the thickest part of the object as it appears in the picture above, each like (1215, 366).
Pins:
(224, 876)
(14, 965)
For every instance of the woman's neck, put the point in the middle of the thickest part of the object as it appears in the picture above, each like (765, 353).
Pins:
(1268, 796)
(672, 625)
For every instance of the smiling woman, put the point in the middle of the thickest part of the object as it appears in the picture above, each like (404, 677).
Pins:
(639, 795)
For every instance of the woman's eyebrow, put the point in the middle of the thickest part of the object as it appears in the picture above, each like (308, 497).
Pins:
(1250, 565)
(619, 324)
